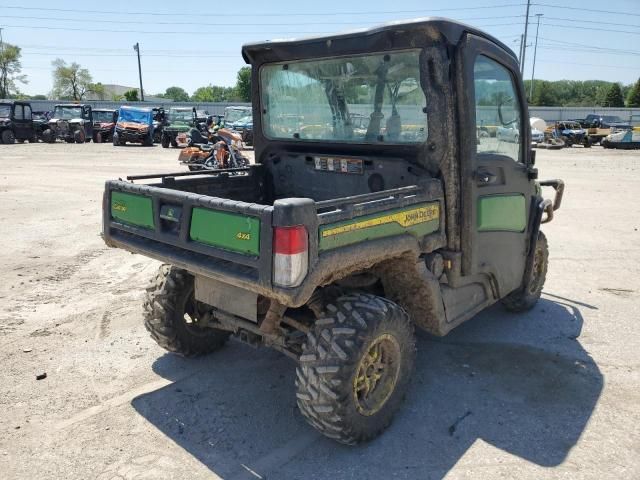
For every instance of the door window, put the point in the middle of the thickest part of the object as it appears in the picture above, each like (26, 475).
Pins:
(498, 111)
(27, 112)
(18, 113)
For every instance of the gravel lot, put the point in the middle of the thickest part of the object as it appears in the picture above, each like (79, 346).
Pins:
(554, 393)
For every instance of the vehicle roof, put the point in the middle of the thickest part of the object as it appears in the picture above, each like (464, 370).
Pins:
(451, 29)
(71, 105)
(11, 102)
(103, 110)
(137, 109)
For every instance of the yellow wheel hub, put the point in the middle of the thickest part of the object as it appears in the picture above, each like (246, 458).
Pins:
(376, 375)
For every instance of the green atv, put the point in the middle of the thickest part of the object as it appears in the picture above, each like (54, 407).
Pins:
(343, 237)
(178, 120)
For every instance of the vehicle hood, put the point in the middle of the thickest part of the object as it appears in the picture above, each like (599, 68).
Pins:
(573, 131)
(133, 125)
(104, 124)
(73, 120)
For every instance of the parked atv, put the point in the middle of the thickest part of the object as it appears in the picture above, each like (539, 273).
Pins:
(571, 133)
(71, 123)
(338, 243)
(104, 124)
(159, 122)
(134, 125)
(16, 122)
(179, 120)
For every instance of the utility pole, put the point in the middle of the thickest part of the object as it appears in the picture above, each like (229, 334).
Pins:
(520, 51)
(535, 52)
(136, 47)
(524, 44)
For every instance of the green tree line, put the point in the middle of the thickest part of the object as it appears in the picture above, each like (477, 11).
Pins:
(576, 93)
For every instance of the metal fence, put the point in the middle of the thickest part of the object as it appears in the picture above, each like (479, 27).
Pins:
(549, 114)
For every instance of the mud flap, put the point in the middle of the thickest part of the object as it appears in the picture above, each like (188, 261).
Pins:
(228, 298)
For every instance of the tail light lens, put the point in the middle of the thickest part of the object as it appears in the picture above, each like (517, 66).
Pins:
(290, 255)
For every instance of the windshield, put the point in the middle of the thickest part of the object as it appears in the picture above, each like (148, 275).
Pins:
(234, 114)
(101, 116)
(134, 115)
(67, 113)
(365, 99)
(180, 116)
(5, 111)
(611, 118)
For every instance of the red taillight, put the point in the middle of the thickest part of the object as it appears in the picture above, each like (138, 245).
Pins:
(290, 240)
(290, 255)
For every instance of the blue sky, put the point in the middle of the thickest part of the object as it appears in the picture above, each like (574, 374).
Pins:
(194, 44)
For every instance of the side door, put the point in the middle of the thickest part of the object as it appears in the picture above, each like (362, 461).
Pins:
(87, 115)
(19, 122)
(495, 169)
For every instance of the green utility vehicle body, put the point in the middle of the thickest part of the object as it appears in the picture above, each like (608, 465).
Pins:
(178, 120)
(414, 214)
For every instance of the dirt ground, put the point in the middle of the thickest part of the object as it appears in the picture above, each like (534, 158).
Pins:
(554, 393)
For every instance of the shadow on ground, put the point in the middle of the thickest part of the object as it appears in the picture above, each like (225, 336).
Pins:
(522, 383)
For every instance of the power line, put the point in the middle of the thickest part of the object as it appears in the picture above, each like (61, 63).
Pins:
(581, 9)
(200, 33)
(565, 42)
(590, 28)
(244, 14)
(594, 21)
(242, 24)
(587, 64)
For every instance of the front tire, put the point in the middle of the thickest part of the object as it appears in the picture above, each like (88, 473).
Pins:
(171, 314)
(166, 141)
(526, 297)
(48, 136)
(355, 368)
(116, 140)
(8, 137)
(79, 136)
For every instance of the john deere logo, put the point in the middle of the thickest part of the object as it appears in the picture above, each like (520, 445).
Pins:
(119, 206)
(171, 213)
(243, 236)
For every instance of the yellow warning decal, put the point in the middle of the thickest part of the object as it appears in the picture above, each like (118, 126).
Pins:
(405, 218)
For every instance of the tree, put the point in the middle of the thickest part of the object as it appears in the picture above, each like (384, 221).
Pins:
(38, 97)
(614, 97)
(98, 89)
(243, 84)
(176, 94)
(213, 93)
(70, 81)
(131, 95)
(633, 99)
(543, 95)
(10, 68)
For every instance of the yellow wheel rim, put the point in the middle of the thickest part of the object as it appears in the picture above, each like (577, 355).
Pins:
(376, 375)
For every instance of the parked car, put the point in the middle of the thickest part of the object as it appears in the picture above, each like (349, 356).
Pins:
(16, 122)
(104, 123)
(134, 125)
(234, 113)
(537, 136)
(70, 122)
(599, 126)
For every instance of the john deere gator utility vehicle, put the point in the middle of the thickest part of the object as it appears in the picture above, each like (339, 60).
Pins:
(340, 240)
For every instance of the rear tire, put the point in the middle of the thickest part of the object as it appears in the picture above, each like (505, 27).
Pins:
(116, 140)
(525, 298)
(8, 137)
(170, 315)
(166, 141)
(355, 368)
